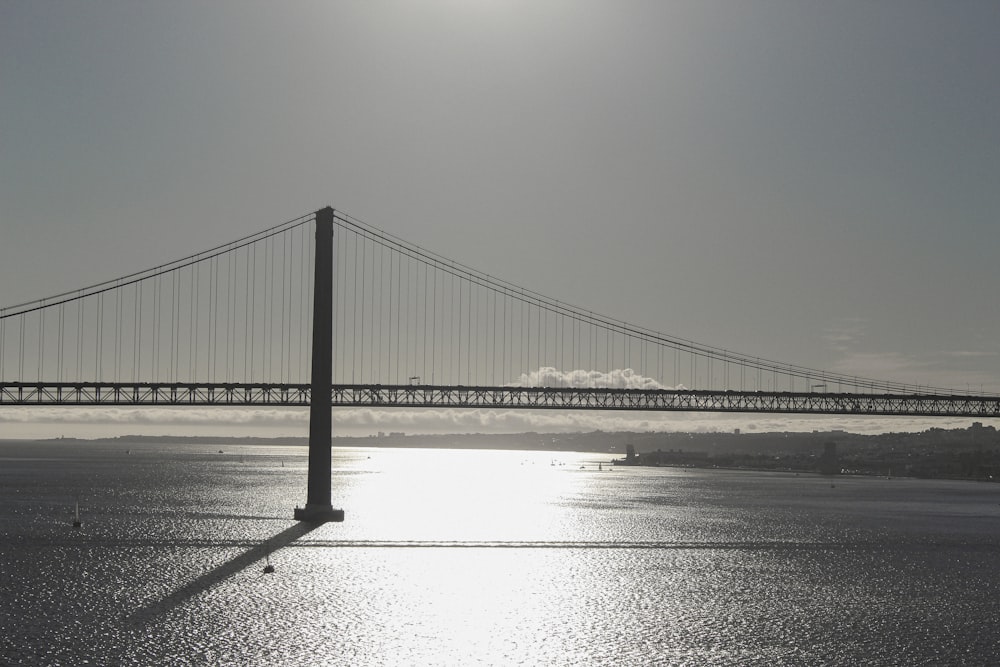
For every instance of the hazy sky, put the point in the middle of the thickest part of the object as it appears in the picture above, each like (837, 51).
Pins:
(813, 182)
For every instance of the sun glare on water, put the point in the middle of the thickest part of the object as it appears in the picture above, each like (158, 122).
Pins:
(462, 495)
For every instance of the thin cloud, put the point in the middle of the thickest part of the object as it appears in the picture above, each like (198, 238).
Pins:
(886, 365)
(845, 333)
(968, 354)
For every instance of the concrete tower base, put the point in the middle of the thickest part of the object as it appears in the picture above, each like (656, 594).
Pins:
(318, 513)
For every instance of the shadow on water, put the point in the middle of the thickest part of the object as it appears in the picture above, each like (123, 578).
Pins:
(222, 572)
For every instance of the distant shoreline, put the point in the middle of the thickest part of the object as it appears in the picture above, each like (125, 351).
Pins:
(613, 442)
(970, 453)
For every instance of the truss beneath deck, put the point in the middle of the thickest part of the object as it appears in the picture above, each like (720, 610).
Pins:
(526, 398)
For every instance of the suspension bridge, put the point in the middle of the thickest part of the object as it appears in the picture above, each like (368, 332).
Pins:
(325, 310)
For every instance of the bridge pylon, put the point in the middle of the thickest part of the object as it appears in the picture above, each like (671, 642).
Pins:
(318, 508)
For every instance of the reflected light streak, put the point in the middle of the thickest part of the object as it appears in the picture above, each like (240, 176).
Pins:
(461, 495)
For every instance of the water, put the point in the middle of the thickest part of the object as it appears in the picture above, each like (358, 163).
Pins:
(452, 557)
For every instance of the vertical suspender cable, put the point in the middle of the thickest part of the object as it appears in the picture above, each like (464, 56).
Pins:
(171, 321)
(192, 328)
(355, 320)
(98, 342)
(3, 346)
(373, 350)
(252, 284)
(301, 320)
(59, 353)
(409, 364)
(524, 333)
(285, 312)
(176, 315)
(393, 329)
(213, 322)
(503, 343)
(428, 269)
(41, 342)
(474, 306)
(289, 257)
(247, 321)
(378, 346)
(228, 341)
(593, 342)
(20, 362)
(269, 313)
(415, 349)
(342, 294)
(461, 323)
(22, 319)
(493, 348)
(504, 338)
(468, 333)
(137, 332)
(156, 330)
(545, 336)
(560, 339)
(340, 312)
(281, 350)
(456, 333)
(433, 321)
(116, 338)
(447, 355)
(362, 298)
(540, 344)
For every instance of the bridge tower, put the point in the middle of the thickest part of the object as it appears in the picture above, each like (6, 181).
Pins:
(318, 508)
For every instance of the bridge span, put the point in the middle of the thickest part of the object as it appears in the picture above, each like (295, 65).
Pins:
(232, 326)
(522, 398)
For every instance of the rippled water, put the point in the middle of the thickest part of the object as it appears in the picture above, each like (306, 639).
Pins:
(481, 557)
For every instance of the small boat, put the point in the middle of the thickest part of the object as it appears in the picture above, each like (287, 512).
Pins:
(76, 515)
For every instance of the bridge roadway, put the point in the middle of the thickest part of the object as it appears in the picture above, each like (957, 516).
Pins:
(527, 398)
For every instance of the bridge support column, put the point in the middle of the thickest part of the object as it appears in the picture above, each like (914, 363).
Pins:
(318, 508)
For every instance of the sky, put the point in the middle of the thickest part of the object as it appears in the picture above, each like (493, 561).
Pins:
(809, 182)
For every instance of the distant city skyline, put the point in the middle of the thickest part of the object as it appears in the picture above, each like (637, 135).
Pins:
(810, 184)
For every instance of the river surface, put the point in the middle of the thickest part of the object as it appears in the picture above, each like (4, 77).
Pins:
(463, 557)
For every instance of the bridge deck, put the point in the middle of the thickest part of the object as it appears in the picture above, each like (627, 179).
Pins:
(533, 398)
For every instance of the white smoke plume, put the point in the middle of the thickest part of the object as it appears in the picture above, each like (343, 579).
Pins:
(619, 378)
